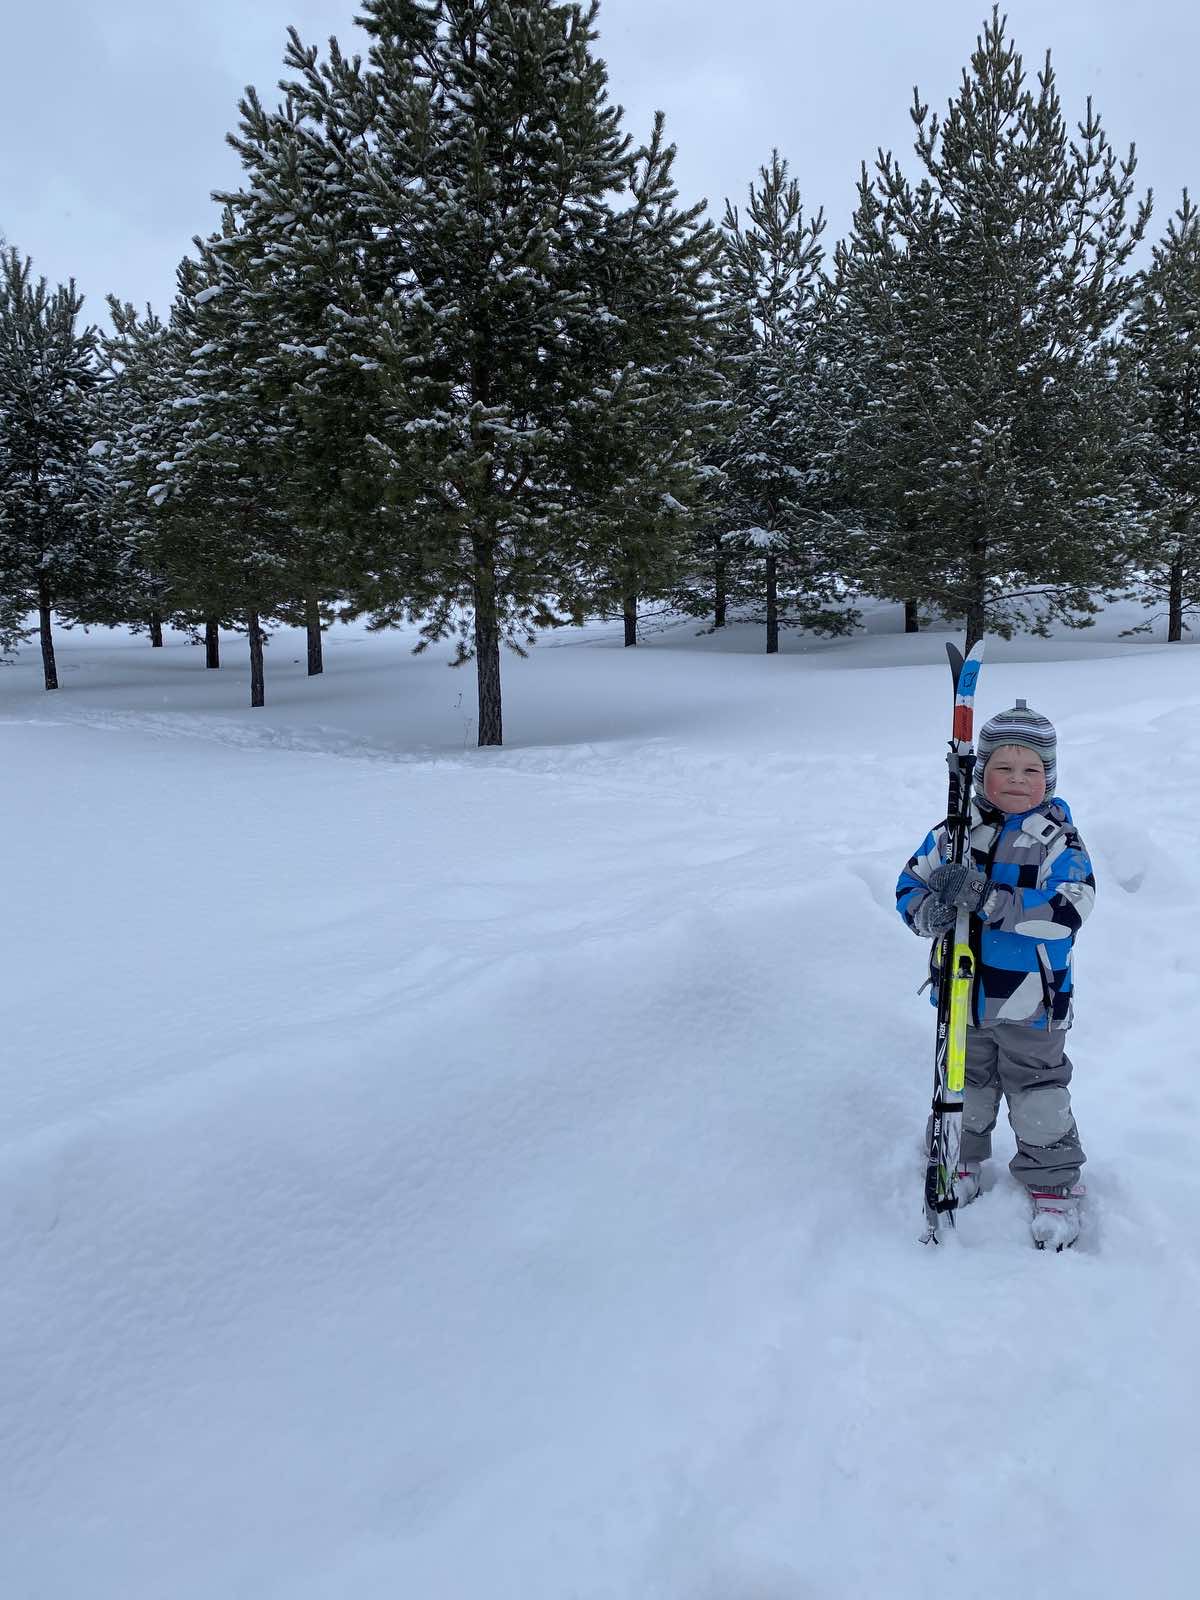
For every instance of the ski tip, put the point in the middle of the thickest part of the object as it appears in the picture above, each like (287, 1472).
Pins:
(957, 659)
(964, 671)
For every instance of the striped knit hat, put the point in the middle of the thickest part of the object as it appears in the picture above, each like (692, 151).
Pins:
(1026, 728)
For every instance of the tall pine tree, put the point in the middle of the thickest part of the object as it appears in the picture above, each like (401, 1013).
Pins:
(210, 461)
(56, 555)
(1161, 353)
(983, 432)
(505, 302)
(137, 377)
(301, 257)
(231, 456)
(638, 479)
(777, 544)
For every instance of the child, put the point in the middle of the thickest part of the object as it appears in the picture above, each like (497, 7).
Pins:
(1028, 887)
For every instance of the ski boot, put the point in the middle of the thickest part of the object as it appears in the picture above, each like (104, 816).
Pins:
(967, 1182)
(1056, 1215)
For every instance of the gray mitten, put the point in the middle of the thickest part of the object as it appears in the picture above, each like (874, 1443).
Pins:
(959, 887)
(932, 918)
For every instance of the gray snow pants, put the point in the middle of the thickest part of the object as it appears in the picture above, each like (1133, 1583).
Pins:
(1032, 1070)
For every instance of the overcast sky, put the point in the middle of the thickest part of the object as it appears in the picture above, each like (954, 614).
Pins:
(115, 111)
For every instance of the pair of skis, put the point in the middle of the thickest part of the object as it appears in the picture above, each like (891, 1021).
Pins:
(956, 964)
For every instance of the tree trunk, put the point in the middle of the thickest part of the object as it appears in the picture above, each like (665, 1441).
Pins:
(487, 646)
(48, 663)
(156, 638)
(772, 608)
(912, 617)
(631, 609)
(719, 602)
(212, 643)
(976, 617)
(257, 685)
(976, 624)
(312, 620)
(1175, 599)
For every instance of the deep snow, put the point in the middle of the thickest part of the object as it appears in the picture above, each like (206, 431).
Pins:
(466, 1175)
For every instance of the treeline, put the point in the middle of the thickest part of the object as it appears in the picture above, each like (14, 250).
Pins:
(459, 357)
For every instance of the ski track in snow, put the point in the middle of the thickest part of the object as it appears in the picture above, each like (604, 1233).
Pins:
(419, 1182)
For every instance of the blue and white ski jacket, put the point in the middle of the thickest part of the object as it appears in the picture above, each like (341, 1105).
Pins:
(1040, 891)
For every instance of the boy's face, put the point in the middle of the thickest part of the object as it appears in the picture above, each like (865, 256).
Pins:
(1015, 779)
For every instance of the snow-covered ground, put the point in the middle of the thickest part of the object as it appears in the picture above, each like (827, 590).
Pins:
(437, 1174)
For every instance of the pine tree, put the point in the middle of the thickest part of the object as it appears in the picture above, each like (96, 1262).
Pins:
(140, 419)
(982, 432)
(639, 478)
(301, 253)
(220, 533)
(137, 377)
(1161, 354)
(232, 456)
(482, 170)
(772, 285)
(55, 553)
(875, 433)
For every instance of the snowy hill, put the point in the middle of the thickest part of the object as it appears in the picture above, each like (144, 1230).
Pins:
(437, 1174)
